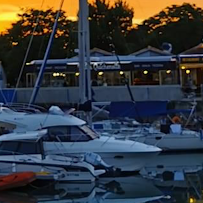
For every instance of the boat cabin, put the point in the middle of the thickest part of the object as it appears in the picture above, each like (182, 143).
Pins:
(70, 134)
(22, 143)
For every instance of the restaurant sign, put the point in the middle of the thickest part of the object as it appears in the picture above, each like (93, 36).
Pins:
(155, 65)
(191, 59)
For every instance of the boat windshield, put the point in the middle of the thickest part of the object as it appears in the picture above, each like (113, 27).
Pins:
(7, 110)
(70, 134)
(89, 131)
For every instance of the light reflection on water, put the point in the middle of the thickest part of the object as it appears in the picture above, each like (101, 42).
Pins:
(167, 178)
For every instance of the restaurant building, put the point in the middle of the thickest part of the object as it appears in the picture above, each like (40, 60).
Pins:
(149, 66)
(191, 66)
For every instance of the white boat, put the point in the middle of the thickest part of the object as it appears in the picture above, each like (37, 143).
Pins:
(21, 152)
(177, 138)
(183, 140)
(69, 134)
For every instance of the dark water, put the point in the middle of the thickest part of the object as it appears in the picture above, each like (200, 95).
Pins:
(168, 178)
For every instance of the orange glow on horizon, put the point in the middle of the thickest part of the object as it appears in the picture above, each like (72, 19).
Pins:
(143, 9)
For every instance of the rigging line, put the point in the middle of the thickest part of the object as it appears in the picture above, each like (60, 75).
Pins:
(43, 66)
(27, 52)
(40, 52)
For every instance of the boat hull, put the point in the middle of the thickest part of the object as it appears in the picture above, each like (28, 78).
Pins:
(173, 142)
(45, 171)
(14, 180)
(125, 155)
(125, 161)
(128, 161)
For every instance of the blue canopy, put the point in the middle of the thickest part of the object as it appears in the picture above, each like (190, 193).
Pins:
(141, 109)
(137, 109)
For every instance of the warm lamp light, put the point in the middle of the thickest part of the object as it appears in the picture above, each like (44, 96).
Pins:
(187, 71)
(191, 200)
(145, 72)
(100, 73)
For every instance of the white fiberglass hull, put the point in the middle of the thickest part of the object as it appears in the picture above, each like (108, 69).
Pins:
(126, 155)
(45, 169)
(128, 161)
(172, 142)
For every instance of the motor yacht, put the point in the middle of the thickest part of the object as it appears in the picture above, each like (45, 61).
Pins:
(69, 134)
(21, 152)
(172, 138)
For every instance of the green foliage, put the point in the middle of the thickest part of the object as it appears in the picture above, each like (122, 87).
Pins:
(111, 29)
(39, 24)
(109, 25)
(182, 26)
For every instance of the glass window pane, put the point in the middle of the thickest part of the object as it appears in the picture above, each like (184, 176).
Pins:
(8, 147)
(28, 148)
(78, 135)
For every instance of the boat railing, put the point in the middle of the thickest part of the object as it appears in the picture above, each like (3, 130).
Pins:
(26, 108)
(72, 158)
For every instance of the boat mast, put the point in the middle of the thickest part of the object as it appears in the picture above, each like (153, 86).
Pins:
(84, 55)
(43, 66)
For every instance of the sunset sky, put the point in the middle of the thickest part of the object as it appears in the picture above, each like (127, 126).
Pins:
(142, 8)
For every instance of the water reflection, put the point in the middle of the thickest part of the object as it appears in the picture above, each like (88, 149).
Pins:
(167, 178)
(125, 190)
(178, 175)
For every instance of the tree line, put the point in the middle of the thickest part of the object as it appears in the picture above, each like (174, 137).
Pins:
(111, 29)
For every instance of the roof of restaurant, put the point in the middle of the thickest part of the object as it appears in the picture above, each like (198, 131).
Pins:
(194, 50)
(151, 51)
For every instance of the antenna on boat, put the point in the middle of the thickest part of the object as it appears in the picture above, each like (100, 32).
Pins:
(43, 66)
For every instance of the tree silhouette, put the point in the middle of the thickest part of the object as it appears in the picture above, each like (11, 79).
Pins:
(182, 26)
(17, 38)
(110, 25)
